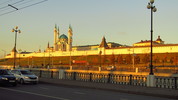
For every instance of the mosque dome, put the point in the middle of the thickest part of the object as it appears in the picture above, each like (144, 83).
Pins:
(63, 36)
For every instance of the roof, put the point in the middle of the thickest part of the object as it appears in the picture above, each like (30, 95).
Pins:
(103, 43)
(159, 39)
(63, 36)
(14, 50)
(146, 41)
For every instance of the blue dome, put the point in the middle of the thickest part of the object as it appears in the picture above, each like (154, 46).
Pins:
(63, 36)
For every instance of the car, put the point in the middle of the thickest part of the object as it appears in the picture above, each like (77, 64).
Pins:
(111, 68)
(25, 76)
(7, 78)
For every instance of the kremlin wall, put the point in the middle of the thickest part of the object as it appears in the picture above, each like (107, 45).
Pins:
(62, 47)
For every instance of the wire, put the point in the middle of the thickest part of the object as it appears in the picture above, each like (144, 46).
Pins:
(7, 7)
(5, 2)
(17, 2)
(24, 2)
(23, 7)
(12, 4)
(33, 4)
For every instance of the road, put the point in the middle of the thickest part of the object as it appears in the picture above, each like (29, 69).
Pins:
(54, 92)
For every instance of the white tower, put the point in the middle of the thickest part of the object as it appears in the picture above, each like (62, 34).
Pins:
(70, 33)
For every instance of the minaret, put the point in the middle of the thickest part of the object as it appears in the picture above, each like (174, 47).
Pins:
(58, 33)
(70, 33)
(55, 38)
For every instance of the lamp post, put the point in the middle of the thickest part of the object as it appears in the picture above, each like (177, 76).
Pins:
(4, 53)
(20, 51)
(153, 9)
(16, 30)
(100, 60)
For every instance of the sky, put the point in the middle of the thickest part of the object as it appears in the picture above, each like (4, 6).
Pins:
(121, 21)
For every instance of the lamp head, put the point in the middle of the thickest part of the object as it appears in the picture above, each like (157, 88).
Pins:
(151, 1)
(13, 30)
(19, 31)
(16, 27)
(154, 9)
(148, 6)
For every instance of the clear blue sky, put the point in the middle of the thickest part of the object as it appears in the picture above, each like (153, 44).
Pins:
(121, 21)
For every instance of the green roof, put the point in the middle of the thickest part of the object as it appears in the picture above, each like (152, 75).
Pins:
(63, 36)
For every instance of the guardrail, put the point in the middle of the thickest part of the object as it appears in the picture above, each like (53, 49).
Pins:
(137, 80)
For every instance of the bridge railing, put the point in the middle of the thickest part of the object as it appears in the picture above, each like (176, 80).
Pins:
(137, 80)
(167, 82)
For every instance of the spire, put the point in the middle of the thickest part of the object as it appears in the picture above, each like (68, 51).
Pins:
(39, 50)
(103, 43)
(55, 28)
(58, 32)
(14, 50)
(48, 45)
(70, 30)
(70, 27)
(159, 38)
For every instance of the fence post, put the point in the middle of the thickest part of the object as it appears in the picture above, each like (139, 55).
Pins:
(61, 74)
(74, 75)
(151, 81)
(175, 78)
(130, 80)
(40, 73)
(109, 78)
(51, 74)
(90, 77)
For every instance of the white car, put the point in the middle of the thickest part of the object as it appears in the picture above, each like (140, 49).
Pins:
(25, 76)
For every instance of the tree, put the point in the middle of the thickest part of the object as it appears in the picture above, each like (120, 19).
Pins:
(156, 59)
(112, 59)
(128, 59)
(146, 58)
(120, 59)
(171, 60)
(136, 59)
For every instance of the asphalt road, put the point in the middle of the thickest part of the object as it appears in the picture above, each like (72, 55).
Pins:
(54, 92)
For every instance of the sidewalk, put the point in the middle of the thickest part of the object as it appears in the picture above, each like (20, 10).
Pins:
(159, 92)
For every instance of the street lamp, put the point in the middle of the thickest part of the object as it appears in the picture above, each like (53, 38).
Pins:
(4, 53)
(20, 51)
(100, 60)
(16, 30)
(153, 9)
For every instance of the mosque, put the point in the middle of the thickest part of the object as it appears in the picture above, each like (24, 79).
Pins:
(62, 46)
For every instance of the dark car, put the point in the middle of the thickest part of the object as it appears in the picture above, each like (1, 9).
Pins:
(6, 78)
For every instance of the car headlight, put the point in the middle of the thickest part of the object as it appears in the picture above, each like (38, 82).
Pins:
(26, 77)
(4, 78)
